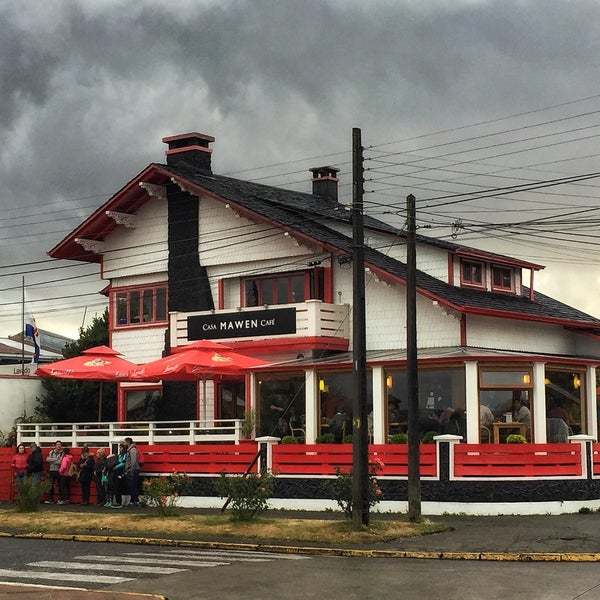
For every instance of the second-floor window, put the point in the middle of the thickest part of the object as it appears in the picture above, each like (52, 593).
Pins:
(472, 273)
(502, 278)
(140, 306)
(284, 288)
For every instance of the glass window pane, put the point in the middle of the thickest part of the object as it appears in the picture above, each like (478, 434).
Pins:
(275, 394)
(121, 309)
(517, 378)
(297, 287)
(142, 405)
(251, 292)
(134, 307)
(319, 285)
(282, 290)
(336, 391)
(504, 406)
(147, 297)
(266, 286)
(161, 304)
(441, 401)
(232, 400)
(565, 405)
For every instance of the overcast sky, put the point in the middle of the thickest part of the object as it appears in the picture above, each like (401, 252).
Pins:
(88, 89)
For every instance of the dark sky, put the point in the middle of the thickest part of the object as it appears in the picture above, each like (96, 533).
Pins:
(89, 88)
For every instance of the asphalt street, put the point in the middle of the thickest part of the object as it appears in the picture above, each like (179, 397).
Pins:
(190, 574)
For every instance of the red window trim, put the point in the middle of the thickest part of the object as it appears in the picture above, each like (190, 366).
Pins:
(114, 291)
(501, 288)
(320, 294)
(465, 283)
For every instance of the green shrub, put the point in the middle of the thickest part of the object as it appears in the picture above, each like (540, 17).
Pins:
(428, 437)
(515, 438)
(290, 439)
(585, 510)
(248, 424)
(347, 439)
(248, 495)
(325, 438)
(29, 494)
(341, 491)
(162, 493)
(399, 438)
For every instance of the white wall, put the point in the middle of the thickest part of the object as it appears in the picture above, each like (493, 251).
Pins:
(151, 226)
(512, 334)
(139, 345)
(17, 396)
(158, 277)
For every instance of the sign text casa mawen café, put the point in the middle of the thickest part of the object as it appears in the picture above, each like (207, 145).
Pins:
(247, 324)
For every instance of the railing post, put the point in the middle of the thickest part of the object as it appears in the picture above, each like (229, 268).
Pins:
(238, 431)
(19, 434)
(38, 437)
(192, 435)
(445, 455)
(150, 434)
(266, 452)
(74, 435)
(587, 467)
(111, 434)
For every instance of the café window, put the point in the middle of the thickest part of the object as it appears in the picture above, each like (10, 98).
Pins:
(502, 278)
(281, 405)
(441, 402)
(143, 405)
(140, 306)
(284, 288)
(336, 392)
(505, 405)
(232, 400)
(565, 403)
(472, 273)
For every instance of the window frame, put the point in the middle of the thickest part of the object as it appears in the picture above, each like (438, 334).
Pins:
(139, 291)
(314, 287)
(470, 283)
(502, 288)
(583, 399)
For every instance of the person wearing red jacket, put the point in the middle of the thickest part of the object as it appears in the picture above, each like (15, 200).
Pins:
(65, 473)
(19, 464)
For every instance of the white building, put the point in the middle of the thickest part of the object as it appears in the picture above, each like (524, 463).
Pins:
(190, 254)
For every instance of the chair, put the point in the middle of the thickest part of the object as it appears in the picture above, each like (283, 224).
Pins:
(293, 430)
(488, 434)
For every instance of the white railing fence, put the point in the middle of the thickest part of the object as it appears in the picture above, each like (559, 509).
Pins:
(142, 432)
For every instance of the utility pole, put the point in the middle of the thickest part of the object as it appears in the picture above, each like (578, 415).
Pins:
(23, 325)
(360, 450)
(412, 378)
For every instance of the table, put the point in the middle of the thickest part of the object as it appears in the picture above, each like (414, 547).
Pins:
(514, 427)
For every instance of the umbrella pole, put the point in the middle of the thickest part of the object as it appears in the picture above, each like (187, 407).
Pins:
(100, 402)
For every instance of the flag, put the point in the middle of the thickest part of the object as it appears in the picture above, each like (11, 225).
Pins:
(32, 331)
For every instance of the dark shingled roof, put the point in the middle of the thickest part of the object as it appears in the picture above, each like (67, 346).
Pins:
(300, 211)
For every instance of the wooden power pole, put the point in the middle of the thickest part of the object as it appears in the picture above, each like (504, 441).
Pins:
(360, 452)
(412, 379)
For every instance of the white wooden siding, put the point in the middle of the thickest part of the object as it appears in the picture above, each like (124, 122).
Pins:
(587, 345)
(151, 228)
(139, 345)
(140, 279)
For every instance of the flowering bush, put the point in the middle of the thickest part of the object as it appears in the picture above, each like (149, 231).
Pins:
(515, 438)
(163, 493)
(341, 490)
(248, 495)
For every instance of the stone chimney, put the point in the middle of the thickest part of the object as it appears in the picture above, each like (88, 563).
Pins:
(190, 150)
(325, 183)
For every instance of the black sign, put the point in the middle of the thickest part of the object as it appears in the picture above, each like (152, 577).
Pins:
(277, 321)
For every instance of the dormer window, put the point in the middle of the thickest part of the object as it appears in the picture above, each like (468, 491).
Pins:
(471, 273)
(502, 279)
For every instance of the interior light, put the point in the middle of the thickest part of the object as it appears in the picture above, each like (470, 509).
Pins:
(389, 382)
(576, 382)
(546, 381)
(526, 378)
(322, 385)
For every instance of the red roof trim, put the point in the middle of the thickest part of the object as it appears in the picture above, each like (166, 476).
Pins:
(497, 258)
(489, 312)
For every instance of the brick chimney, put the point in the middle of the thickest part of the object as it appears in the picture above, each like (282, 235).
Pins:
(189, 149)
(325, 183)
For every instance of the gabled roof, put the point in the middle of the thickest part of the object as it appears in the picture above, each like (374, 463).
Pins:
(303, 214)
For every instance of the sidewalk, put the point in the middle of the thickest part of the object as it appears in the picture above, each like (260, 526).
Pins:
(32, 592)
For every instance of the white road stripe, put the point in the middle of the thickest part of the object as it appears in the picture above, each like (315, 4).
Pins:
(246, 553)
(113, 567)
(14, 574)
(204, 557)
(144, 558)
(42, 586)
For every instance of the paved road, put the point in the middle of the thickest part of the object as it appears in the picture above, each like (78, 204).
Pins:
(185, 574)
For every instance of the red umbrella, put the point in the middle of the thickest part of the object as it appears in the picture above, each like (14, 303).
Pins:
(95, 364)
(195, 361)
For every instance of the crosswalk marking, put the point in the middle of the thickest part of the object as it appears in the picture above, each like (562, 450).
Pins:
(246, 553)
(143, 559)
(206, 557)
(108, 579)
(55, 564)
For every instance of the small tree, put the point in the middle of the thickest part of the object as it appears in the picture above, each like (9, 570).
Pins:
(67, 400)
(162, 493)
(248, 494)
(341, 490)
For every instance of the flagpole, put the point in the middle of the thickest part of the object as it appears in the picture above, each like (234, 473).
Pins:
(23, 325)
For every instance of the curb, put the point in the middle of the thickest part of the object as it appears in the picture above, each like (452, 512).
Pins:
(318, 551)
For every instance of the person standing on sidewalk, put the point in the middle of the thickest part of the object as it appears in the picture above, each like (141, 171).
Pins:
(65, 472)
(132, 471)
(19, 464)
(54, 459)
(35, 463)
(86, 472)
(100, 476)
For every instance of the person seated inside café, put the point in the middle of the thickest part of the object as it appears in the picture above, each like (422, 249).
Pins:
(340, 425)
